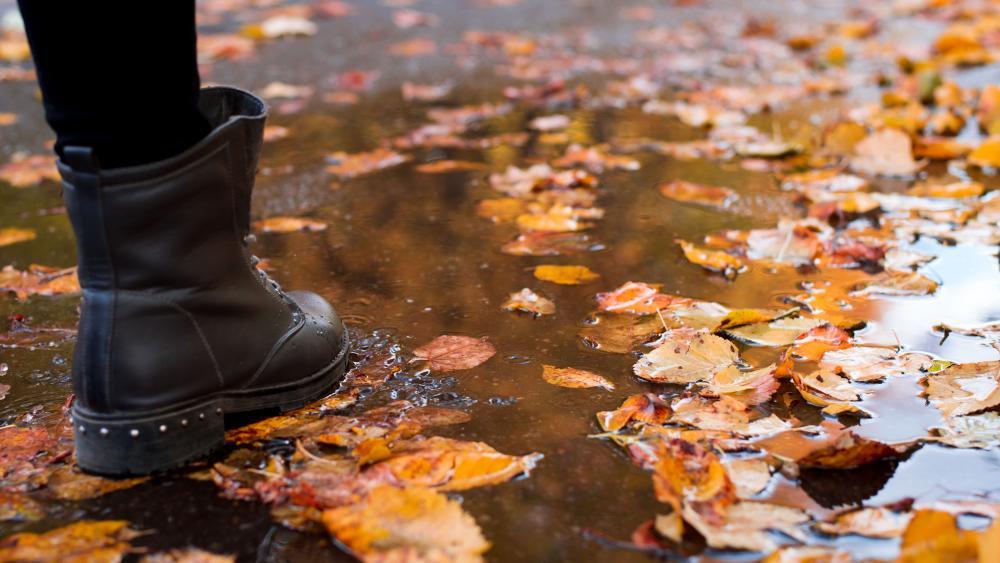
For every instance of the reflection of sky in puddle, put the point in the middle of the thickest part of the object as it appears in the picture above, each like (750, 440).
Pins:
(969, 295)
(938, 472)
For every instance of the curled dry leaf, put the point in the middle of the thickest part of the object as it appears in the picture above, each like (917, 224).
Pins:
(779, 332)
(831, 446)
(14, 235)
(687, 475)
(390, 522)
(787, 244)
(748, 387)
(565, 275)
(963, 389)
(988, 330)
(288, 225)
(726, 414)
(574, 378)
(453, 353)
(87, 540)
(872, 522)
(715, 196)
(643, 407)
(817, 341)
(712, 260)
(346, 165)
(685, 362)
(529, 302)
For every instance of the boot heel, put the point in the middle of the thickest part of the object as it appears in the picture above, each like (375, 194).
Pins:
(139, 445)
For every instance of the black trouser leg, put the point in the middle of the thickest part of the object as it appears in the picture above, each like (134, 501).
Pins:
(119, 76)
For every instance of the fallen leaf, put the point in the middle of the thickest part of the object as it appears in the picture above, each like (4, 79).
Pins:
(501, 210)
(749, 476)
(870, 363)
(19, 507)
(643, 407)
(935, 536)
(549, 123)
(594, 159)
(986, 155)
(779, 332)
(390, 521)
(686, 475)
(956, 190)
(86, 540)
(872, 522)
(712, 260)
(445, 166)
(187, 555)
(453, 353)
(417, 47)
(971, 431)
(620, 334)
(748, 387)
(529, 302)
(289, 225)
(347, 165)
(813, 343)
(29, 170)
(69, 483)
(574, 378)
(565, 275)
(637, 298)
(888, 152)
(746, 523)
(963, 389)
(685, 362)
(896, 283)
(987, 330)
(808, 554)
(831, 446)
(786, 244)
(679, 190)
(541, 243)
(14, 235)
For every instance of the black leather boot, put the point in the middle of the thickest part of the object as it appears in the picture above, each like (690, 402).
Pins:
(178, 327)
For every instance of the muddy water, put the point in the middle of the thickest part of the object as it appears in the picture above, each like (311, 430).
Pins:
(406, 259)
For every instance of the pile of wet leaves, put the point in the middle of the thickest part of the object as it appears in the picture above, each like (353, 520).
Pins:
(744, 411)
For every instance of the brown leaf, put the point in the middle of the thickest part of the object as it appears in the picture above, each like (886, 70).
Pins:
(444, 166)
(69, 483)
(935, 536)
(29, 170)
(872, 522)
(541, 243)
(620, 334)
(347, 165)
(749, 476)
(679, 190)
(712, 260)
(288, 225)
(637, 298)
(529, 302)
(188, 555)
(685, 362)
(963, 389)
(888, 152)
(452, 353)
(574, 378)
(833, 446)
(870, 363)
(428, 524)
(744, 525)
(686, 474)
(643, 407)
(38, 280)
(87, 540)
(19, 507)
(896, 283)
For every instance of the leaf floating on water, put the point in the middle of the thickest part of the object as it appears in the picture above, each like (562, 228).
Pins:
(29, 170)
(971, 431)
(453, 353)
(808, 554)
(746, 523)
(445, 166)
(986, 155)
(188, 555)
(896, 283)
(749, 476)
(869, 363)
(748, 387)
(392, 524)
(501, 210)
(620, 334)
(812, 344)
(644, 407)
(831, 446)
(712, 260)
(988, 330)
(963, 389)
(780, 332)
(934, 536)
(594, 159)
(574, 378)
(14, 235)
(19, 507)
(565, 275)
(540, 243)
(637, 298)
(417, 47)
(872, 522)
(529, 302)
(715, 196)
(347, 165)
(87, 540)
(686, 362)
(952, 190)
(888, 152)
(289, 225)
(69, 483)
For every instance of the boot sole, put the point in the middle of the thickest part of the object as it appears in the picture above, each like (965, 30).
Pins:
(140, 444)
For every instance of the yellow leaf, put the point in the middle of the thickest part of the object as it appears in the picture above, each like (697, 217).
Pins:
(565, 275)
(574, 378)
(987, 155)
